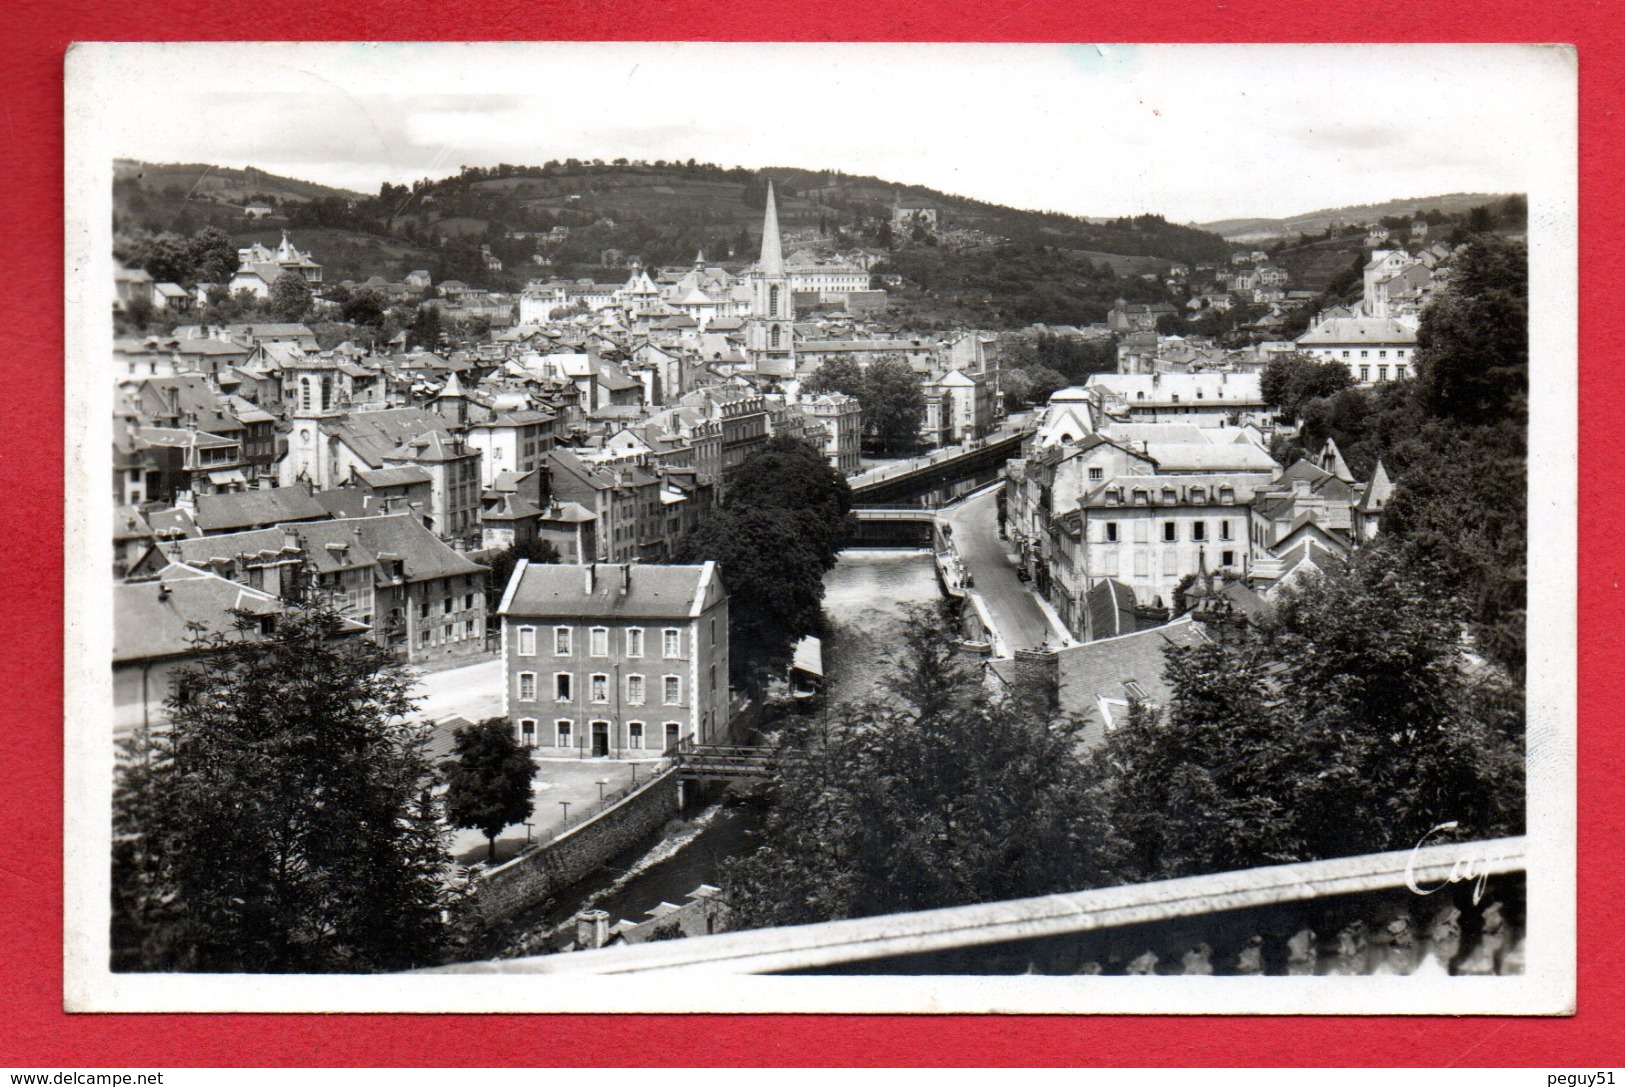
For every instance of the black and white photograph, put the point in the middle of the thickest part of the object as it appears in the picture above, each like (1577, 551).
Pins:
(699, 527)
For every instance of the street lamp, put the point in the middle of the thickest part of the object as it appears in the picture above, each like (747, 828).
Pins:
(601, 783)
(565, 804)
(527, 827)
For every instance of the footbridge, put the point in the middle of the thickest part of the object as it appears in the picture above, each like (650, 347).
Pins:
(724, 762)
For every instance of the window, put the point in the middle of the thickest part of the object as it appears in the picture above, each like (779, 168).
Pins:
(1170, 564)
(1141, 498)
(1382, 354)
(671, 643)
(527, 641)
(527, 686)
(713, 632)
(600, 687)
(598, 642)
(1365, 354)
(561, 641)
(1365, 373)
(1345, 354)
(1096, 475)
(1142, 564)
(634, 735)
(445, 606)
(423, 609)
(527, 733)
(634, 642)
(1142, 532)
(1170, 531)
(713, 679)
(1198, 530)
(561, 686)
(1108, 564)
(634, 690)
(672, 690)
(1228, 558)
(1224, 530)
(562, 734)
(423, 636)
(1169, 496)
(468, 602)
(1111, 531)
(1382, 373)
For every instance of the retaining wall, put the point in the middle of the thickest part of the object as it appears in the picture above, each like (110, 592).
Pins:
(532, 877)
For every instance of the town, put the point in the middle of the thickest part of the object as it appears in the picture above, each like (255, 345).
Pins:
(637, 528)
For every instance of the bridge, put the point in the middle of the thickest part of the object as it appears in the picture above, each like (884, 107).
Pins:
(943, 475)
(722, 762)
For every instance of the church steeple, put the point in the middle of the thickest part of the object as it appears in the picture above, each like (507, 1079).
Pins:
(770, 332)
(772, 262)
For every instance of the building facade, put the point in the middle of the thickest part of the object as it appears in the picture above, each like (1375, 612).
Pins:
(615, 660)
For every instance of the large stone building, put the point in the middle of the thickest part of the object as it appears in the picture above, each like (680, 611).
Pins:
(615, 660)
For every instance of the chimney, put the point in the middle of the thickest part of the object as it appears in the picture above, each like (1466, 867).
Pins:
(592, 929)
(592, 571)
(163, 591)
(626, 578)
(291, 541)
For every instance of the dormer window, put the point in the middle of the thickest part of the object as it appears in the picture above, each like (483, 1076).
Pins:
(1198, 495)
(1227, 495)
(1169, 496)
(1141, 498)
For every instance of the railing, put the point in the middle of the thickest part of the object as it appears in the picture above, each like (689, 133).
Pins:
(723, 760)
(1453, 908)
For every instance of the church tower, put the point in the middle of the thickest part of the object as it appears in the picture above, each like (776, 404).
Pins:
(770, 333)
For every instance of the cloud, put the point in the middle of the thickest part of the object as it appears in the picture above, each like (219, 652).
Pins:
(1194, 132)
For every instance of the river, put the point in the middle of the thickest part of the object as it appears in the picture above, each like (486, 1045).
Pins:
(865, 597)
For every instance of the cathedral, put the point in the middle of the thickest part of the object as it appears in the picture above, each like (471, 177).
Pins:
(770, 329)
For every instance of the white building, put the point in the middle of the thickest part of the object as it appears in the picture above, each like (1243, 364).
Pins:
(1375, 349)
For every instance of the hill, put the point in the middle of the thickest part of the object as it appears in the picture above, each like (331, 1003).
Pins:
(1316, 222)
(501, 226)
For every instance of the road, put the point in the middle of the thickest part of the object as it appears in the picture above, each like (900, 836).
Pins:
(1016, 614)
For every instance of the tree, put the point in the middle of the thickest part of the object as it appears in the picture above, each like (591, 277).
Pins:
(1472, 347)
(1354, 723)
(488, 784)
(931, 793)
(1032, 386)
(774, 574)
(1292, 380)
(838, 375)
(893, 404)
(503, 562)
(213, 258)
(791, 477)
(284, 820)
(290, 297)
(365, 307)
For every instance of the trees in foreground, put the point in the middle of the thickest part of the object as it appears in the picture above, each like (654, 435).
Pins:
(488, 782)
(930, 793)
(1351, 720)
(284, 820)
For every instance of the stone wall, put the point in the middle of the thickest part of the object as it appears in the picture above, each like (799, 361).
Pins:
(532, 877)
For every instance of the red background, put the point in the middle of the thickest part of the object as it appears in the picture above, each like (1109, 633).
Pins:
(35, 1032)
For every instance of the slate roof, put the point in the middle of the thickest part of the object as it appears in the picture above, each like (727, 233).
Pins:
(373, 435)
(255, 509)
(364, 539)
(1379, 331)
(1093, 675)
(619, 590)
(150, 622)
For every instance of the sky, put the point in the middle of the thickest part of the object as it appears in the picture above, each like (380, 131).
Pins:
(1196, 133)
